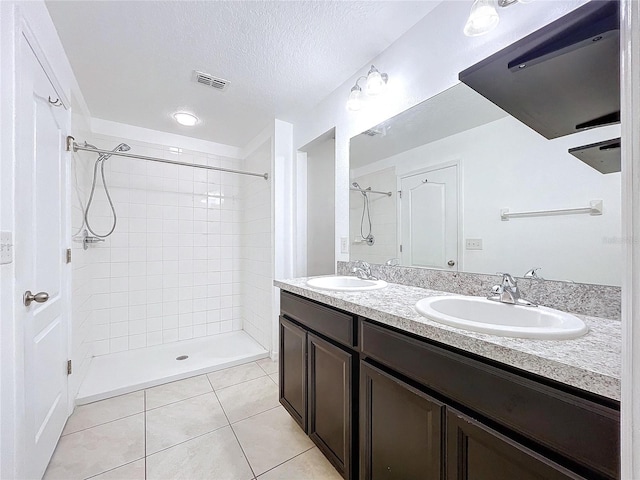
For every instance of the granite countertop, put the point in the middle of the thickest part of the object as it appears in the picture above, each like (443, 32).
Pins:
(591, 362)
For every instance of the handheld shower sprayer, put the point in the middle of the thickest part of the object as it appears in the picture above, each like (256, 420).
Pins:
(123, 147)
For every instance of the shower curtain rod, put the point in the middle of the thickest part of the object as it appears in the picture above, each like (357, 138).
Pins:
(367, 190)
(72, 145)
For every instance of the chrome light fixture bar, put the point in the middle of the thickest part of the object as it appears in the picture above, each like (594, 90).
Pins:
(484, 16)
(376, 84)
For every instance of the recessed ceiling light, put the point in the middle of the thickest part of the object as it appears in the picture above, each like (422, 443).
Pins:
(186, 119)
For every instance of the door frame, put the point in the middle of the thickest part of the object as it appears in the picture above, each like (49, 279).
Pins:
(459, 197)
(630, 120)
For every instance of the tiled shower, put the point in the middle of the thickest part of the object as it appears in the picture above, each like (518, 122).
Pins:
(190, 256)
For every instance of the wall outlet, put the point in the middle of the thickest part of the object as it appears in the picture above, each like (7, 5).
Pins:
(6, 248)
(344, 244)
(473, 244)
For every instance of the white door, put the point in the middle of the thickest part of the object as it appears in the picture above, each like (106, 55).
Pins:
(40, 258)
(429, 219)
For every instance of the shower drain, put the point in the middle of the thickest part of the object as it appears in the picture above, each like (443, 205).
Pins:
(182, 357)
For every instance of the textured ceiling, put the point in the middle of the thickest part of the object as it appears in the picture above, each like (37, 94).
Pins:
(134, 59)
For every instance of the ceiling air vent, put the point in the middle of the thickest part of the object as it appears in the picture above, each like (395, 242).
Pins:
(210, 80)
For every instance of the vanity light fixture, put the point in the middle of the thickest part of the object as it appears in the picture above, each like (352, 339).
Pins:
(186, 119)
(484, 16)
(376, 84)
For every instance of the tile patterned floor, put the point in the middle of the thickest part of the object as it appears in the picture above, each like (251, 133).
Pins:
(224, 425)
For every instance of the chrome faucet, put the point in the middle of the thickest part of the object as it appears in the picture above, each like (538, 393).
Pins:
(508, 292)
(363, 271)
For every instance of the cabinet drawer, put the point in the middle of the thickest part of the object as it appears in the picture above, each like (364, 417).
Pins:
(336, 325)
(582, 431)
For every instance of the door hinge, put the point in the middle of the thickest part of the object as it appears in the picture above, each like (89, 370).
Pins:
(400, 248)
(400, 193)
(68, 255)
(69, 367)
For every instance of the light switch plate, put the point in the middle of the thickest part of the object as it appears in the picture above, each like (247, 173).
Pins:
(6, 248)
(473, 244)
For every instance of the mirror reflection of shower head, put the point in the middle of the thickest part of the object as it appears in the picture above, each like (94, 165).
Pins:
(356, 185)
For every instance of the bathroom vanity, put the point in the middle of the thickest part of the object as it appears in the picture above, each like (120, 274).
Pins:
(387, 394)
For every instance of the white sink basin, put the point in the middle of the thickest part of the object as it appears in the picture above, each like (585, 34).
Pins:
(481, 315)
(345, 283)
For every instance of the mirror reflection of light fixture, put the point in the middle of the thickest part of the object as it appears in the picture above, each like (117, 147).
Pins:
(376, 84)
(484, 16)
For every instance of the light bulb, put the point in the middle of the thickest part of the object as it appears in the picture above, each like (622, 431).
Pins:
(186, 119)
(482, 19)
(355, 99)
(375, 82)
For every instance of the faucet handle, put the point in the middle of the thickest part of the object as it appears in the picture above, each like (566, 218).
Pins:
(507, 280)
(532, 273)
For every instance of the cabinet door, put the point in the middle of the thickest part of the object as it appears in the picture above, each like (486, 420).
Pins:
(293, 371)
(401, 429)
(475, 452)
(330, 402)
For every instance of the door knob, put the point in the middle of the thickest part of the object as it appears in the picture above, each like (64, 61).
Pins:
(39, 297)
(451, 263)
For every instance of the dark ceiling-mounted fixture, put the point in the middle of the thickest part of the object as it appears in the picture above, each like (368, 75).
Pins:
(561, 79)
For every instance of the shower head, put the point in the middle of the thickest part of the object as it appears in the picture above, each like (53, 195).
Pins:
(123, 147)
(355, 184)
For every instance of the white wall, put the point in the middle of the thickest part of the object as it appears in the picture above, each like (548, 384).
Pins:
(383, 217)
(256, 253)
(423, 62)
(505, 164)
(321, 208)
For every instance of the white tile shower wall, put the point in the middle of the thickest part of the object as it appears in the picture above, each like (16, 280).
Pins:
(383, 218)
(257, 252)
(170, 271)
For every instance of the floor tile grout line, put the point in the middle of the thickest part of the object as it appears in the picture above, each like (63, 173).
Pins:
(239, 383)
(114, 468)
(288, 460)
(234, 433)
(178, 401)
(101, 424)
(255, 415)
(187, 440)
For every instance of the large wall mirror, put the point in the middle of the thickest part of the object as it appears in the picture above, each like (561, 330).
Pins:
(456, 183)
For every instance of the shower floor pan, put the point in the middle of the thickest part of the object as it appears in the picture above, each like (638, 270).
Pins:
(125, 372)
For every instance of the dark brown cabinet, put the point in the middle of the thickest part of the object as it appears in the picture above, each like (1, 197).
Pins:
(475, 452)
(318, 369)
(401, 429)
(382, 404)
(330, 387)
(293, 371)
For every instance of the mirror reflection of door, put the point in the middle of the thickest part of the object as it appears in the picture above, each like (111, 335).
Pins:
(429, 219)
